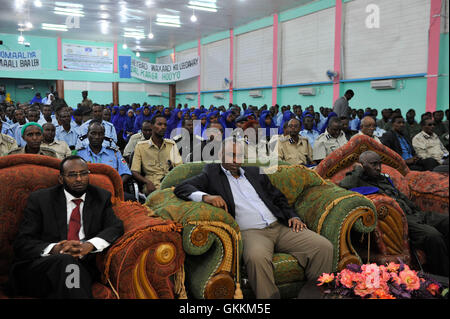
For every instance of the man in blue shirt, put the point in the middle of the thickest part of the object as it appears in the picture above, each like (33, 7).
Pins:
(95, 152)
(36, 99)
(66, 132)
(110, 131)
(308, 131)
(395, 140)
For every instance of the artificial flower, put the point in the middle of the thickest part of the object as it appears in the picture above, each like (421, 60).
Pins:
(325, 279)
(410, 279)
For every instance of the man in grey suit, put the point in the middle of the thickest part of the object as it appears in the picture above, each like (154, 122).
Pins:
(341, 107)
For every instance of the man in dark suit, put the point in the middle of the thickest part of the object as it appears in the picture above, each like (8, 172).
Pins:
(62, 229)
(398, 142)
(266, 220)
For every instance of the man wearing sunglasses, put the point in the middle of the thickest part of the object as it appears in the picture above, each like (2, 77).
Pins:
(428, 145)
(63, 228)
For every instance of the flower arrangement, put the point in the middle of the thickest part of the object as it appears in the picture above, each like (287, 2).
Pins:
(393, 281)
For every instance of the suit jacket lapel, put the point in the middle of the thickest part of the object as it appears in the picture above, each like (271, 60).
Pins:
(227, 189)
(88, 209)
(60, 211)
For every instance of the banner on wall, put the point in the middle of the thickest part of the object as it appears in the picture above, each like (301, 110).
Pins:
(20, 60)
(77, 57)
(165, 73)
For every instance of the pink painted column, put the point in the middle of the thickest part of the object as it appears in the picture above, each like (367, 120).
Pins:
(60, 63)
(231, 63)
(116, 69)
(275, 60)
(199, 82)
(433, 55)
(337, 49)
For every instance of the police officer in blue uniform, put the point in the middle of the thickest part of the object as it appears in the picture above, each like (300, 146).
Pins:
(110, 131)
(95, 152)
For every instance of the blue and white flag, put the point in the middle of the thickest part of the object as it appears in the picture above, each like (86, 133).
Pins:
(125, 66)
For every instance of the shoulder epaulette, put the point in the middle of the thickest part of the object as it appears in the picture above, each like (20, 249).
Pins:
(169, 141)
(115, 149)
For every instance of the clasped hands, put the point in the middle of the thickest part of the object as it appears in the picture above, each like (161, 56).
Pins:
(75, 248)
(295, 223)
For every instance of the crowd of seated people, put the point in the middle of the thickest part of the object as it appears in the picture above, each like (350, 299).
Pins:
(181, 134)
(144, 143)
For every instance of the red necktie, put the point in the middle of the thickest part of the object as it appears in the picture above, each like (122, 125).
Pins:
(75, 221)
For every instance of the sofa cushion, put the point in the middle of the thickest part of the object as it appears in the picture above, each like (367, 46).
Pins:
(292, 180)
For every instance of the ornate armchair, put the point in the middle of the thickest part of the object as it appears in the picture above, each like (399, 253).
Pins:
(140, 264)
(211, 237)
(428, 190)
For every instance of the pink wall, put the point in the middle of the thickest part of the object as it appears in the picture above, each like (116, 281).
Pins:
(275, 60)
(433, 55)
(231, 63)
(337, 49)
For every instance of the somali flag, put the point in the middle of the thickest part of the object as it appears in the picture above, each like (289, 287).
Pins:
(125, 66)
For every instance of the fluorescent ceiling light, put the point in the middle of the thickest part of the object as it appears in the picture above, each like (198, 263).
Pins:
(37, 3)
(168, 18)
(104, 15)
(203, 8)
(168, 24)
(69, 12)
(29, 25)
(68, 4)
(137, 36)
(55, 27)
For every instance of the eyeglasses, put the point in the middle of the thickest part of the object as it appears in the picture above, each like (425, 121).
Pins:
(82, 174)
(431, 124)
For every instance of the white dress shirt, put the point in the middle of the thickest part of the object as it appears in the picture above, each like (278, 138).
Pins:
(99, 243)
(250, 210)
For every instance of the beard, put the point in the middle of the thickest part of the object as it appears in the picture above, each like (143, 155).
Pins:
(77, 193)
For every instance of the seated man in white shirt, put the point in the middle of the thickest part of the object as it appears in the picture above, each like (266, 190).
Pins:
(266, 220)
(54, 235)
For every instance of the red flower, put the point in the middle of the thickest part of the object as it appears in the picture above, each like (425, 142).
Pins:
(433, 289)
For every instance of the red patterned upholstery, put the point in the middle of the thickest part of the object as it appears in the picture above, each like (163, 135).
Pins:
(135, 266)
(429, 190)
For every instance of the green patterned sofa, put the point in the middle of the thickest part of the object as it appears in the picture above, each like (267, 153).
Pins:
(212, 242)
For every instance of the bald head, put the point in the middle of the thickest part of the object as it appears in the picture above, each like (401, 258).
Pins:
(371, 163)
(368, 126)
(368, 155)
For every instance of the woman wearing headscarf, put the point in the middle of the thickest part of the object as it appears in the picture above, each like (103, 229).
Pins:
(175, 120)
(227, 120)
(128, 125)
(144, 116)
(120, 119)
(266, 122)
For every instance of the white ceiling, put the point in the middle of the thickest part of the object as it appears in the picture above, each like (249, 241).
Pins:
(231, 13)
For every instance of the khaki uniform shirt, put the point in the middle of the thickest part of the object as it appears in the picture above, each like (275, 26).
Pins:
(326, 144)
(44, 151)
(258, 152)
(131, 145)
(7, 144)
(427, 146)
(295, 154)
(60, 147)
(152, 162)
